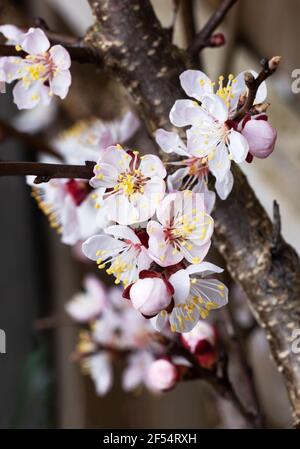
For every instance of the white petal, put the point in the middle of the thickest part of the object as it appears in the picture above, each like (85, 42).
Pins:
(196, 84)
(152, 166)
(101, 242)
(216, 107)
(219, 165)
(178, 113)
(205, 268)
(224, 186)
(170, 142)
(35, 41)
(181, 283)
(101, 372)
(174, 181)
(60, 83)
(123, 232)
(12, 33)
(27, 98)
(60, 57)
(238, 146)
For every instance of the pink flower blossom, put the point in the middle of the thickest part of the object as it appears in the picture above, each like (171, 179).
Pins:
(261, 137)
(44, 72)
(162, 375)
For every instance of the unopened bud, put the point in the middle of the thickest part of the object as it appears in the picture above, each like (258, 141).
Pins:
(274, 62)
(162, 375)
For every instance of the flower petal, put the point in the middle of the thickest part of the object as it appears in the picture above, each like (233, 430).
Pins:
(238, 146)
(178, 113)
(170, 142)
(35, 41)
(196, 84)
(60, 56)
(151, 165)
(181, 283)
(60, 83)
(224, 186)
(216, 107)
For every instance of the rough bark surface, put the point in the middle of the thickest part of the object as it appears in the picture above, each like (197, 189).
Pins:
(137, 51)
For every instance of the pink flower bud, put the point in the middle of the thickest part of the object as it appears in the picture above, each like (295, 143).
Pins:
(150, 295)
(261, 137)
(201, 341)
(162, 375)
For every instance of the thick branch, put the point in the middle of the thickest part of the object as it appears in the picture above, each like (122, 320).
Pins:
(205, 38)
(137, 52)
(45, 172)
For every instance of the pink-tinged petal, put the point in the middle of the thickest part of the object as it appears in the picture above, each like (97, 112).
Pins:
(133, 374)
(115, 156)
(14, 68)
(196, 84)
(220, 163)
(162, 375)
(95, 288)
(12, 33)
(106, 176)
(152, 166)
(87, 306)
(126, 127)
(123, 232)
(238, 146)
(150, 296)
(91, 246)
(35, 41)
(224, 186)
(101, 372)
(216, 107)
(159, 250)
(170, 142)
(27, 98)
(60, 56)
(261, 137)
(69, 222)
(60, 83)
(178, 113)
(174, 181)
(205, 268)
(181, 283)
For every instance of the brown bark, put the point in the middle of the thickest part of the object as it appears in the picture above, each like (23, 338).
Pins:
(137, 51)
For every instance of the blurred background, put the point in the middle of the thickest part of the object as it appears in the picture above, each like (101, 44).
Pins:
(39, 386)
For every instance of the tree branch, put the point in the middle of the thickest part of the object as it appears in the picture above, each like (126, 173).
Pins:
(137, 51)
(269, 67)
(205, 37)
(45, 172)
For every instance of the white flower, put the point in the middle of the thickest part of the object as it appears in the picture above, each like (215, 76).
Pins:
(87, 139)
(133, 185)
(89, 304)
(44, 72)
(212, 134)
(193, 171)
(194, 297)
(183, 229)
(122, 249)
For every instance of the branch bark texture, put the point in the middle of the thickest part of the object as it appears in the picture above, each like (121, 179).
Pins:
(137, 51)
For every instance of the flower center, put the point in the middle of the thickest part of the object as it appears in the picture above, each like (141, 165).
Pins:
(130, 183)
(225, 92)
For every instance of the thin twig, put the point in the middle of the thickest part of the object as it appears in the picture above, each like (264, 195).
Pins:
(276, 234)
(205, 37)
(78, 52)
(45, 172)
(269, 67)
(28, 139)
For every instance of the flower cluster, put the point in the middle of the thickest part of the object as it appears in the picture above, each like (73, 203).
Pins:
(214, 136)
(111, 328)
(69, 203)
(42, 73)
